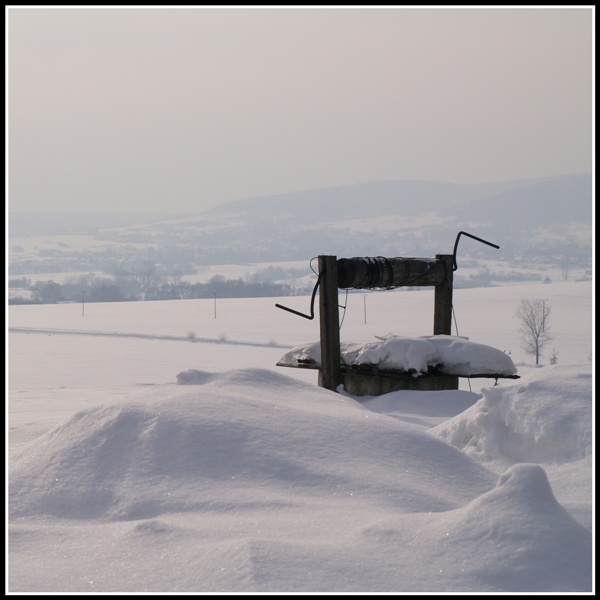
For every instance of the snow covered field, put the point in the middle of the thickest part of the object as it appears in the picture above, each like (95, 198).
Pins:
(156, 447)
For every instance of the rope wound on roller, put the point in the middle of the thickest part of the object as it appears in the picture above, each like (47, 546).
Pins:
(388, 273)
(365, 273)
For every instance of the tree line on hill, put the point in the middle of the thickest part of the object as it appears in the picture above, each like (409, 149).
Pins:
(102, 289)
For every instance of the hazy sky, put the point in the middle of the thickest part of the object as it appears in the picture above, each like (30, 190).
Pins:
(182, 109)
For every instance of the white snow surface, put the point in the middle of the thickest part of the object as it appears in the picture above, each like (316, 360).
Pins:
(453, 355)
(141, 460)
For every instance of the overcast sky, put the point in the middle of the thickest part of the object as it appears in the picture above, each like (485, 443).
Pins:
(182, 109)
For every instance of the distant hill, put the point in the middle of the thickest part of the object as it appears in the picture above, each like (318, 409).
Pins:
(545, 202)
(373, 199)
(414, 218)
(76, 223)
(546, 219)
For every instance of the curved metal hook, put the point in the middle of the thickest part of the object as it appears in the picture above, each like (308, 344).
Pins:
(455, 266)
(312, 303)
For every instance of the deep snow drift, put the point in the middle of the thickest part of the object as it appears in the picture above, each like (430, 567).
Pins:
(253, 481)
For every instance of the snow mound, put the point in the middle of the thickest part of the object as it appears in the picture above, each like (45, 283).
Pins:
(509, 539)
(545, 417)
(246, 437)
(451, 355)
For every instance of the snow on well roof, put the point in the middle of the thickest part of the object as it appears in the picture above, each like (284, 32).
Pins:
(448, 354)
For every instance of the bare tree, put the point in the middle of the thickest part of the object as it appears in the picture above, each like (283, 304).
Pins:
(534, 328)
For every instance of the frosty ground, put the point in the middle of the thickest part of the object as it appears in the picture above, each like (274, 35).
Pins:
(156, 447)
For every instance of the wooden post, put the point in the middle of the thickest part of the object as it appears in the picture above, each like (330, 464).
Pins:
(330, 372)
(442, 314)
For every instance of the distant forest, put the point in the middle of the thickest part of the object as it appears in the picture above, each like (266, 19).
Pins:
(99, 289)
